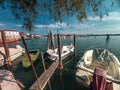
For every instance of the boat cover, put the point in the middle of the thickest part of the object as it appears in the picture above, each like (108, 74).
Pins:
(108, 61)
(101, 55)
(99, 80)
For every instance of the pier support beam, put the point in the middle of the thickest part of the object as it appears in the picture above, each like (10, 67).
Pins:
(31, 62)
(60, 66)
(52, 40)
(74, 48)
(43, 63)
(6, 50)
(48, 37)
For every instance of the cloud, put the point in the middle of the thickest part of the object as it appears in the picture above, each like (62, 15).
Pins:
(56, 25)
(111, 16)
(81, 26)
(84, 25)
(19, 25)
(2, 24)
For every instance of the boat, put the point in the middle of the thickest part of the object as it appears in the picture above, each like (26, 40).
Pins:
(54, 55)
(15, 52)
(98, 62)
(8, 82)
(11, 36)
(34, 54)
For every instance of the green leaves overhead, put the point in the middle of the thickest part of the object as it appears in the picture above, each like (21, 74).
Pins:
(22, 9)
(30, 10)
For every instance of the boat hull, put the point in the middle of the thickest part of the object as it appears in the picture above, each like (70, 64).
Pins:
(14, 54)
(66, 51)
(25, 61)
(87, 65)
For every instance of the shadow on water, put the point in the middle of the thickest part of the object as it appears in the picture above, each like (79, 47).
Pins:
(67, 81)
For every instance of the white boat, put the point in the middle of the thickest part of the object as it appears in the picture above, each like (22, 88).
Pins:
(8, 82)
(54, 54)
(103, 61)
(14, 54)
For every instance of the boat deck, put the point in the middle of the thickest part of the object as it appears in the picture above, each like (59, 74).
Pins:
(12, 51)
(14, 54)
(87, 77)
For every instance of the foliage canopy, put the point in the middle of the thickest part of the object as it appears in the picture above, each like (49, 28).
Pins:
(30, 10)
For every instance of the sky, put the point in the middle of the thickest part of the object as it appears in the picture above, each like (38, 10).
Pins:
(109, 24)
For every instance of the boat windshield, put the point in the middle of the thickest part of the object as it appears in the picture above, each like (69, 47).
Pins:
(106, 60)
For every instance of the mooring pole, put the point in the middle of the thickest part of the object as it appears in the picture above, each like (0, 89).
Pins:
(52, 40)
(107, 38)
(44, 67)
(6, 50)
(48, 37)
(60, 67)
(43, 63)
(31, 62)
(51, 45)
(74, 48)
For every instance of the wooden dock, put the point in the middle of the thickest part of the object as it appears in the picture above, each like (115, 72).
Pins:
(44, 78)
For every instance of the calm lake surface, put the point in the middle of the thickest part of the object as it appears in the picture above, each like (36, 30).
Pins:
(67, 81)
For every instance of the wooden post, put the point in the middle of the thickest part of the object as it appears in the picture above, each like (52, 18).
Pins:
(107, 38)
(51, 45)
(52, 40)
(6, 49)
(43, 63)
(60, 66)
(74, 48)
(47, 46)
(31, 62)
(44, 67)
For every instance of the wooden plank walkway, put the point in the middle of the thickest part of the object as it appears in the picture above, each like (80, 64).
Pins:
(44, 78)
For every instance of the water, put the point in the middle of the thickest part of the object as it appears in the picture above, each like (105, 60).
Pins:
(68, 75)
